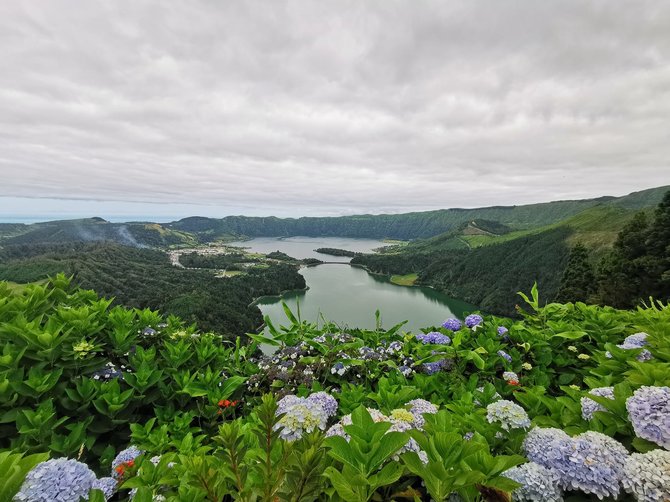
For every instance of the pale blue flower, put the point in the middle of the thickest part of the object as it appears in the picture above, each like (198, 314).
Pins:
(538, 484)
(589, 406)
(510, 415)
(57, 480)
(649, 412)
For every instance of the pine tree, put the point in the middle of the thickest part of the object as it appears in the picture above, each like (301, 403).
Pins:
(578, 281)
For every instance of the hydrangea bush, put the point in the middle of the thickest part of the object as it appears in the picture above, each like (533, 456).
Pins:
(187, 414)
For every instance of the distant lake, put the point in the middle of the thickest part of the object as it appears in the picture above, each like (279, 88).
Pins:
(303, 247)
(349, 295)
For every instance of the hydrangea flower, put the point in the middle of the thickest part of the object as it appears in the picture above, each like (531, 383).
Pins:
(543, 445)
(405, 370)
(452, 324)
(589, 406)
(402, 415)
(649, 412)
(419, 407)
(337, 430)
(338, 368)
(502, 330)
(538, 484)
(647, 476)
(636, 341)
(123, 460)
(107, 486)
(505, 356)
(60, 479)
(303, 416)
(509, 414)
(473, 320)
(431, 368)
(434, 337)
(410, 445)
(286, 402)
(591, 462)
(510, 376)
(328, 402)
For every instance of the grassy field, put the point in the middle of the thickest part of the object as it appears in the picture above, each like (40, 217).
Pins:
(404, 280)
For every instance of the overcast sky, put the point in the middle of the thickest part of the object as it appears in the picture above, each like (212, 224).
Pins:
(175, 108)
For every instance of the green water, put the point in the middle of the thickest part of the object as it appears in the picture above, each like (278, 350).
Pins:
(349, 295)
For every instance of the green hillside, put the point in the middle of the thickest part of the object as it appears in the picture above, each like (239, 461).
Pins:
(488, 269)
(408, 225)
(144, 278)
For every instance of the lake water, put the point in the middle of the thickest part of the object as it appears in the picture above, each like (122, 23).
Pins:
(303, 247)
(349, 295)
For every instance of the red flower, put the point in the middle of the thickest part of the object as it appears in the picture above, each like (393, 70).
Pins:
(513, 382)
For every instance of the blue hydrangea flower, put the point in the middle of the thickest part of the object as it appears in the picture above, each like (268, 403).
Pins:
(468, 435)
(591, 462)
(589, 406)
(419, 407)
(544, 444)
(505, 356)
(338, 368)
(502, 330)
(60, 479)
(327, 402)
(107, 486)
(647, 476)
(636, 341)
(405, 370)
(538, 484)
(286, 402)
(434, 337)
(452, 324)
(509, 414)
(649, 412)
(125, 456)
(432, 368)
(473, 320)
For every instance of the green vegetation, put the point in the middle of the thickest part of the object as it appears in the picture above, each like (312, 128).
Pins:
(404, 280)
(411, 225)
(562, 398)
(486, 269)
(144, 278)
(336, 252)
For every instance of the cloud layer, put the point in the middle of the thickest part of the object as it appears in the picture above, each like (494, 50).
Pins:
(332, 107)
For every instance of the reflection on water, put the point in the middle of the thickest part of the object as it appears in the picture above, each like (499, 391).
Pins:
(349, 296)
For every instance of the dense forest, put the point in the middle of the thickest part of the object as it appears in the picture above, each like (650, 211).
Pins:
(144, 278)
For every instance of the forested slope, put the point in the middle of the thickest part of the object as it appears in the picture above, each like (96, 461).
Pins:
(144, 278)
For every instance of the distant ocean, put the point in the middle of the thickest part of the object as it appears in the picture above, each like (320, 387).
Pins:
(114, 219)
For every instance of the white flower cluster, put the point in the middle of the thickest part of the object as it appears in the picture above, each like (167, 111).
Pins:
(647, 476)
(509, 414)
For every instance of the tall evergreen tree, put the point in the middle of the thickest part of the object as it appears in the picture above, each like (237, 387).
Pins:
(578, 281)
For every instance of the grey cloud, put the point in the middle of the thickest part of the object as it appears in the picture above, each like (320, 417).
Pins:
(331, 107)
